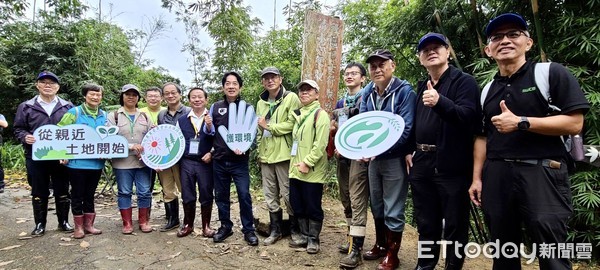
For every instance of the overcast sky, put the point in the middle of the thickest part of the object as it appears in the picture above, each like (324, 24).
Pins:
(166, 51)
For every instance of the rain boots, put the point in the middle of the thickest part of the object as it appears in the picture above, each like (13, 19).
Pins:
(206, 212)
(78, 231)
(380, 248)
(172, 213)
(189, 215)
(275, 235)
(88, 224)
(144, 219)
(391, 261)
(127, 223)
(314, 230)
(63, 205)
(40, 211)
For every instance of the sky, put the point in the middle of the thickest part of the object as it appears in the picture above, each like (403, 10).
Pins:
(166, 51)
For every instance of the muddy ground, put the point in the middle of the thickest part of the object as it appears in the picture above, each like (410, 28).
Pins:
(163, 250)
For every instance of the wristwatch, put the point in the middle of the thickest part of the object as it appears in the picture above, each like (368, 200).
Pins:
(524, 123)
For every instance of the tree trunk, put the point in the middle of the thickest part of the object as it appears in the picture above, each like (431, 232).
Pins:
(538, 29)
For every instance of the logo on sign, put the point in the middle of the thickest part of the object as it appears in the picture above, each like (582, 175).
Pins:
(368, 134)
(163, 146)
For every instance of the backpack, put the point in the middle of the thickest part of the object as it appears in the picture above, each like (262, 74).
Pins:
(542, 81)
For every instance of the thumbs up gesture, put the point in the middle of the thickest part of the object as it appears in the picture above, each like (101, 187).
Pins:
(506, 121)
(430, 96)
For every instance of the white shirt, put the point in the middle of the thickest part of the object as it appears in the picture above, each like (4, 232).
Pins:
(48, 106)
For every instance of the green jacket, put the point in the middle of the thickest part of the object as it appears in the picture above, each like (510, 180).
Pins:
(312, 141)
(277, 147)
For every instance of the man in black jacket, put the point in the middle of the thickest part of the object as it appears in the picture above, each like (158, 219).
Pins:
(447, 114)
(44, 109)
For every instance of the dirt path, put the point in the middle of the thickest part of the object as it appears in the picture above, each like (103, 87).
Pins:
(162, 250)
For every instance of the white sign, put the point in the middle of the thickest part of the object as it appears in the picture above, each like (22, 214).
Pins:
(242, 127)
(163, 146)
(78, 141)
(368, 134)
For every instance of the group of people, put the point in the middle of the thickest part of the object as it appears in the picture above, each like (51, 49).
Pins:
(501, 150)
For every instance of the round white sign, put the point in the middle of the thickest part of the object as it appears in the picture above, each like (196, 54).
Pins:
(163, 146)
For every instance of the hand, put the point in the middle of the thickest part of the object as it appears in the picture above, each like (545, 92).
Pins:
(430, 96)
(333, 125)
(63, 161)
(475, 192)
(409, 164)
(207, 157)
(242, 122)
(238, 152)
(137, 148)
(208, 121)
(506, 121)
(364, 159)
(29, 139)
(336, 153)
(302, 167)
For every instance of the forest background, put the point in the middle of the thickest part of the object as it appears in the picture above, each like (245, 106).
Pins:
(82, 48)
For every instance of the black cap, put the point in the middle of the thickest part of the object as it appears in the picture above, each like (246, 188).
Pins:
(431, 37)
(503, 19)
(47, 74)
(383, 54)
(270, 70)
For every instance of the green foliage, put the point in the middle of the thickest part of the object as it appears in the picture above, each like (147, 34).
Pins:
(585, 223)
(13, 156)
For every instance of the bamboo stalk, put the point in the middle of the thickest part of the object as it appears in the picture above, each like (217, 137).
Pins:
(439, 22)
(538, 29)
(477, 28)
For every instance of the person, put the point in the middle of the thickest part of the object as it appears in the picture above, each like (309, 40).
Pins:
(3, 125)
(274, 105)
(352, 175)
(84, 174)
(44, 109)
(520, 171)
(170, 177)
(230, 165)
(387, 174)
(153, 96)
(446, 119)
(308, 165)
(130, 170)
(196, 165)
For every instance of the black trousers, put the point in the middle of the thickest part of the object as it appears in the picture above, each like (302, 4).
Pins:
(39, 174)
(439, 199)
(83, 188)
(305, 199)
(535, 195)
(196, 173)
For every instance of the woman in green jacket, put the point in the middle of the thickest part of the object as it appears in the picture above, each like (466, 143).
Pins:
(308, 165)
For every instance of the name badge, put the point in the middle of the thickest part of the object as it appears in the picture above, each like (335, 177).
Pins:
(342, 118)
(294, 149)
(194, 146)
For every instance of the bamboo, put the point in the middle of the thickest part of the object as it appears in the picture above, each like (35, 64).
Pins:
(477, 28)
(538, 29)
(439, 22)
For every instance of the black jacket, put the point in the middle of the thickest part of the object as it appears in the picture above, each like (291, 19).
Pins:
(459, 110)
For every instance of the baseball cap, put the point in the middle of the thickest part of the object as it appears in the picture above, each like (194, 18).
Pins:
(312, 84)
(47, 74)
(506, 18)
(431, 37)
(128, 87)
(383, 54)
(270, 70)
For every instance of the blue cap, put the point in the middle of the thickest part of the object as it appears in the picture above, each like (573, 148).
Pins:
(506, 18)
(431, 37)
(47, 74)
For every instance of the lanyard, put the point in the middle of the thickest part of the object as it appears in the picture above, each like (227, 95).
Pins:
(304, 119)
(196, 128)
(131, 123)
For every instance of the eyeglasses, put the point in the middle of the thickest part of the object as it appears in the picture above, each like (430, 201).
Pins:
(352, 73)
(510, 35)
(429, 49)
(47, 82)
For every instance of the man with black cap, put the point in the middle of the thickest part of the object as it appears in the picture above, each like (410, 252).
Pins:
(44, 109)
(525, 178)
(275, 133)
(230, 165)
(447, 116)
(387, 176)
